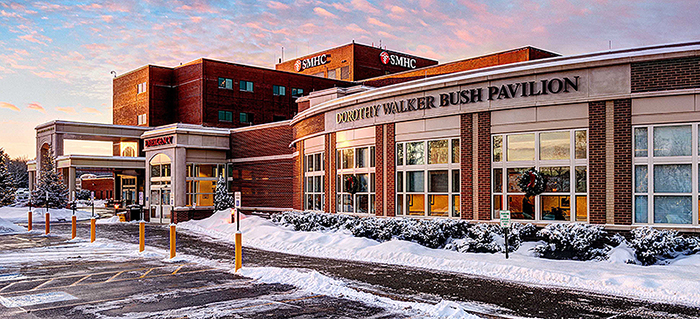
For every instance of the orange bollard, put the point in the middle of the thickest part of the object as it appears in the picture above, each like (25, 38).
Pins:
(48, 223)
(29, 221)
(142, 236)
(92, 230)
(172, 241)
(74, 220)
(239, 251)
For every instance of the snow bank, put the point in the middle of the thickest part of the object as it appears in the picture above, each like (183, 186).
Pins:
(674, 283)
(111, 220)
(7, 227)
(19, 214)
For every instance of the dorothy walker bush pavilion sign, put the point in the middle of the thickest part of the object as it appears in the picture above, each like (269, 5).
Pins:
(475, 95)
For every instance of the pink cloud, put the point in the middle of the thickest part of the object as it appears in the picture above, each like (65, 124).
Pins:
(355, 28)
(196, 19)
(277, 5)
(387, 35)
(69, 110)
(107, 18)
(36, 38)
(364, 6)
(340, 7)
(324, 13)
(5, 105)
(44, 74)
(378, 23)
(36, 106)
(96, 47)
(91, 110)
(197, 7)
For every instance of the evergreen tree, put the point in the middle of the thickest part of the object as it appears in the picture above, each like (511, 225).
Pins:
(7, 185)
(222, 200)
(52, 183)
(18, 169)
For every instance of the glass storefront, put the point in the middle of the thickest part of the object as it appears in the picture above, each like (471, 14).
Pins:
(315, 181)
(355, 179)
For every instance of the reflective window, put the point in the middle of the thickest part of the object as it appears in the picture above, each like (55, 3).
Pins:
(521, 147)
(438, 152)
(415, 153)
(555, 145)
(672, 140)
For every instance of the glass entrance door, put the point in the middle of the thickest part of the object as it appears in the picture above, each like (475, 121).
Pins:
(161, 205)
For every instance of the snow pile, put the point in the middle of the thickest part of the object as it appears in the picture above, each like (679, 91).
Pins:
(654, 246)
(314, 282)
(7, 227)
(451, 234)
(99, 203)
(575, 241)
(19, 214)
(675, 283)
(111, 220)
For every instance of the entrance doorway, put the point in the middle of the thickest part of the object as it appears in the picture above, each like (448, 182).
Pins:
(161, 204)
(161, 199)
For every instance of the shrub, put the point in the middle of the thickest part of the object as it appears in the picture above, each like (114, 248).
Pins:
(654, 246)
(573, 241)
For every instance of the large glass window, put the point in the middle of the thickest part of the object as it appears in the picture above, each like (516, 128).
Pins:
(560, 156)
(355, 178)
(427, 178)
(665, 172)
(315, 182)
(200, 182)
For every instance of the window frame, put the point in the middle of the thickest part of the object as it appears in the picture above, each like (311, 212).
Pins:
(228, 116)
(227, 83)
(313, 173)
(369, 169)
(248, 86)
(279, 90)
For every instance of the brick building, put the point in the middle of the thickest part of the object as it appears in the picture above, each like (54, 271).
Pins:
(614, 133)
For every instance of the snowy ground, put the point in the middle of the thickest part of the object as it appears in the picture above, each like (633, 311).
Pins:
(19, 214)
(675, 283)
(7, 227)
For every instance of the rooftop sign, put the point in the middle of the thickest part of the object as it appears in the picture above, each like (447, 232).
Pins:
(395, 60)
(304, 64)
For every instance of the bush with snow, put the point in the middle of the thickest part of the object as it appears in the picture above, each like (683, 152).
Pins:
(654, 246)
(451, 234)
(574, 241)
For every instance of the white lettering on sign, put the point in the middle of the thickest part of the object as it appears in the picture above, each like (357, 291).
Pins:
(237, 200)
(505, 218)
(301, 65)
(393, 59)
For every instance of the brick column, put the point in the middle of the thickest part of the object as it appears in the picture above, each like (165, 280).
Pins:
(466, 189)
(330, 173)
(596, 162)
(623, 162)
(390, 169)
(483, 184)
(298, 182)
(379, 170)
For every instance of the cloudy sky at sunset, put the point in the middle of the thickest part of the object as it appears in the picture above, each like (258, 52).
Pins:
(56, 56)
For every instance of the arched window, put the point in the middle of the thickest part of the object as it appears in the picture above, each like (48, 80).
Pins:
(129, 152)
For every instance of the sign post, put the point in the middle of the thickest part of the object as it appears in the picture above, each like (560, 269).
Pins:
(505, 224)
(239, 244)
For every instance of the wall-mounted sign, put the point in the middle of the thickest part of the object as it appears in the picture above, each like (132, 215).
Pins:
(158, 141)
(475, 95)
(301, 65)
(393, 59)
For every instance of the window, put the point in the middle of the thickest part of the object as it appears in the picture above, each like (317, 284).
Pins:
(427, 178)
(665, 167)
(331, 74)
(225, 83)
(246, 86)
(278, 90)
(355, 164)
(200, 183)
(319, 74)
(246, 117)
(277, 118)
(225, 116)
(141, 119)
(141, 88)
(561, 156)
(345, 72)
(297, 92)
(315, 181)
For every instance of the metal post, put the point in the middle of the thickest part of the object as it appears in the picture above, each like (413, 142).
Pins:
(73, 222)
(506, 233)
(47, 213)
(29, 218)
(239, 244)
(92, 230)
(142, 236)
(172, 241)
(48, 222)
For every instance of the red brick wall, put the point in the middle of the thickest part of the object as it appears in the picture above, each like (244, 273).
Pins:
(330, 173)
(662, 75)
(188, 92)
(298, 182)
(269, 141)
(467, 187)
(126, 103)
(390, 169)
(103, 187)
(484, 161)
(265, 183)
(596, 162)
(314, 124)
(162, 96)
(379, 169)
(623, 162)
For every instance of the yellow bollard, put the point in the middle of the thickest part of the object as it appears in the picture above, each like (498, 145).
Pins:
(74, 220)
(172, 241)
(142, 235)
(29, 221)
(239, 251)
(92, 230)
(48, 225)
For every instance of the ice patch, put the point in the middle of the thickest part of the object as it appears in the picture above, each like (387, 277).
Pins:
(37, 299)
(7, 227)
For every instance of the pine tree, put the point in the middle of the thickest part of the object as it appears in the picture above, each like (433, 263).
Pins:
(52, 183)
(18, 170)
(222, 200)
(7, 185)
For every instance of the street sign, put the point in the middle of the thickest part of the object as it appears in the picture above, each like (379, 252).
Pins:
(140, 198)
(505, 218)
(237, 200)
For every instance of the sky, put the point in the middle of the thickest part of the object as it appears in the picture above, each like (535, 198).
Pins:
(56, 57)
